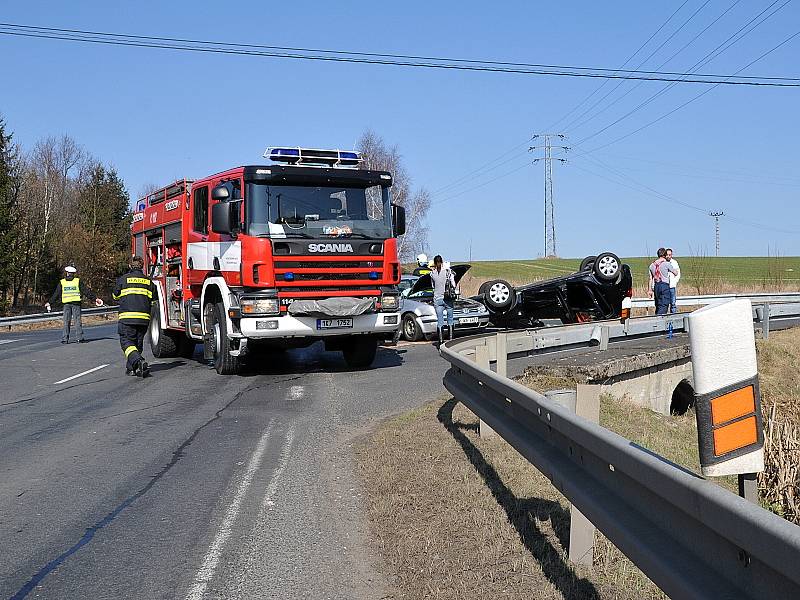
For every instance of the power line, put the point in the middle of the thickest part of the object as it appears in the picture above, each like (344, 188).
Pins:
(667, 61)
(700, 63)
(619, 83)
(627, 60)
(697, 97)
(205, 46)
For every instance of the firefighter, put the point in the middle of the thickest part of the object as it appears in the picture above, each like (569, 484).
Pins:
(135, 292)
(69, 292)
(424, 265)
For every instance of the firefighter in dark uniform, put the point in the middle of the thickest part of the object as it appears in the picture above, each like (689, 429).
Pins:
(135, 292)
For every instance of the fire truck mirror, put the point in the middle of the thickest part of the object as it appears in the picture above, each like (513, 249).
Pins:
(220, 193)
(398, 219)
(223, 217)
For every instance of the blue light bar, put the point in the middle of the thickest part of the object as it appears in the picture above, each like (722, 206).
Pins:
(373, 275)
(314, 157)
(288, 276)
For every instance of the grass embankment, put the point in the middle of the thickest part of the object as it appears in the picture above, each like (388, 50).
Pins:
(457, 516)
(701, 274)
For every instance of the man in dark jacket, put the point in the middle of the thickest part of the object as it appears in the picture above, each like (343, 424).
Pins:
(135, 292)
(69, 292)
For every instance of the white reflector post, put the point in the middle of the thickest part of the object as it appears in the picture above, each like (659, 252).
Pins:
(729, 426)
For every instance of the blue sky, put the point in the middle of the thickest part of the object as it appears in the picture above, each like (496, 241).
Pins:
(157, 115)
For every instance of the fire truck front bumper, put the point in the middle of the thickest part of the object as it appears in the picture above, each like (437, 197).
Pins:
(384, 324)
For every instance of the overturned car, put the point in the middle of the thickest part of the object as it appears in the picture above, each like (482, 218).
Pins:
(596, 291)
(419, 316)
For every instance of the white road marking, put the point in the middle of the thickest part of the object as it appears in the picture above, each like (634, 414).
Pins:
(7, 341)
(206, 572)
(80, 374)
(273, 485)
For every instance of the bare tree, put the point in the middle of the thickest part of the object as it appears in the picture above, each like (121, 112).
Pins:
(379, 156)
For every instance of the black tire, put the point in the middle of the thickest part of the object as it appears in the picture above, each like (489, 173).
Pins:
(587, 263)
(163, 342)
(224, 362)
(607, 266)
(498, 295)
(482, 289)
(359, 353)
(411, 330)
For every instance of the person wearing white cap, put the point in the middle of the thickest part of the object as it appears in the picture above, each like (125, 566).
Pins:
(69, 291)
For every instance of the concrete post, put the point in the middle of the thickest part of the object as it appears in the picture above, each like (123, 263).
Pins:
(585, 402)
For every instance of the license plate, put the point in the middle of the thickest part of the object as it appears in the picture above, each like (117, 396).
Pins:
(334, 323)
(467, 320)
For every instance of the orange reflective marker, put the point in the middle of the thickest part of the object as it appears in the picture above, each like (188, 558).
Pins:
(734, 436)
(733, 405)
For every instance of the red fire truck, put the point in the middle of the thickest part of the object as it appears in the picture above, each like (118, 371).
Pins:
(281, 255)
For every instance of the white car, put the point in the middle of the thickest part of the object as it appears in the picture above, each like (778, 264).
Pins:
(419, 315)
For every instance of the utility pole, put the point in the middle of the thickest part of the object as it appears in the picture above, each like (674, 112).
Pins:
(716, 216)
(549, 203)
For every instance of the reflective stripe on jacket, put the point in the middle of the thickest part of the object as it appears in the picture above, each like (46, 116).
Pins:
(134, 290)
(70, 290)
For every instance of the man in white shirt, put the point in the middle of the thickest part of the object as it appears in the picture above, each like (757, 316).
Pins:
(674, 278)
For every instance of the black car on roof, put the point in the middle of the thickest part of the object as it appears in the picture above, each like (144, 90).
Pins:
(595, 292)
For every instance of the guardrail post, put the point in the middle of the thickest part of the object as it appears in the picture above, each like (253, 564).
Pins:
(765, 323)
(585, 402)
(482, 360)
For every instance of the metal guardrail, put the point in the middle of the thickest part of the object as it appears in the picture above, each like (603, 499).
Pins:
(760, 298)
(52, 316)
(691, 537)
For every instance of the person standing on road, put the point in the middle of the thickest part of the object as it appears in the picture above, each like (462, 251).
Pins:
(135, 292)
(69, 292)
(659, 279)
(444, 285)
(674, 278)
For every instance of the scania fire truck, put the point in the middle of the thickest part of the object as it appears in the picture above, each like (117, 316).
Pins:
(284, 254)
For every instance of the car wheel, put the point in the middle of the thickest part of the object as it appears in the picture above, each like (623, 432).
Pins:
(606, 267)
(411, 331)
(482, 289)
(498, 295)
(587, 263)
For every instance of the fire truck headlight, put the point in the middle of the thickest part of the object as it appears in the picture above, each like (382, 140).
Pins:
(390, 302)
(259, 306)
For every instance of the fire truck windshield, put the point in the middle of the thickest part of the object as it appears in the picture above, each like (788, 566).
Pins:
(318, 211)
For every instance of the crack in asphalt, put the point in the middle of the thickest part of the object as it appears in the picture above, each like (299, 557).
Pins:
(48, 393)
(90, 532)
(127, 412)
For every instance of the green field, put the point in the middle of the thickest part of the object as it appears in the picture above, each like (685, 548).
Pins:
(699, 274)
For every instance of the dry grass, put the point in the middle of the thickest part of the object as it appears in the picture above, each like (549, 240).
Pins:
(779, 483)
(457, 516)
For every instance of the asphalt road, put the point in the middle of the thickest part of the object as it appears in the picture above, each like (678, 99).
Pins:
(189, 484)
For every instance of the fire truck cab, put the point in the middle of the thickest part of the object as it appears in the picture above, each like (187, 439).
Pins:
(278, 255)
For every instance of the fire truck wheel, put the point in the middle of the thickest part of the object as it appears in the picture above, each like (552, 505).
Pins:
(360, 352)
(163, 342)
(224, 363)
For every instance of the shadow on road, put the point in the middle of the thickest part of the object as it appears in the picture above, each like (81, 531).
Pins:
(523, 514)
(158, 367)
(313, 359)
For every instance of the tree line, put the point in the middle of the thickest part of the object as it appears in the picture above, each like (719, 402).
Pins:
(59, 206)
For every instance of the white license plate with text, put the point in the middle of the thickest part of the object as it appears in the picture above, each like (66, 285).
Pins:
(468, 320)
(334, 323)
